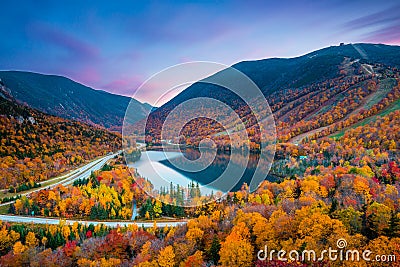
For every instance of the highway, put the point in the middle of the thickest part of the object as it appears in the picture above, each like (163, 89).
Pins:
(113, 224)
(66, 179)
(85, 171)
(80, 173)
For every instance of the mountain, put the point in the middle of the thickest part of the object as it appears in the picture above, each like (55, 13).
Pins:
(275, 74)
(62, 97)
(36, 146)
(323, 88)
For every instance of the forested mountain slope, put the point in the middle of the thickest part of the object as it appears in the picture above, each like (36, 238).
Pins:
(316, 94)
(36, 146)
(62, 97)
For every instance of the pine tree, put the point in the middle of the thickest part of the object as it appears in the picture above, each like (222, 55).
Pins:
(368, 223)
(393, 229)
(171, 190)
(213, 252)
(334, 206)
(198, 192)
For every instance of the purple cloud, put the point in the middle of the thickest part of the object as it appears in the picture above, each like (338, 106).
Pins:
(387, 16)
(117, 46)
(88, 75)
(124, 86)
(382, 26)
(389, 34)
(75, 47)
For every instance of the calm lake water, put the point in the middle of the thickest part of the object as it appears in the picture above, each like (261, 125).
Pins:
(214, 171)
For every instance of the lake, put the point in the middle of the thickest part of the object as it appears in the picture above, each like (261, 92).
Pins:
(213, 170)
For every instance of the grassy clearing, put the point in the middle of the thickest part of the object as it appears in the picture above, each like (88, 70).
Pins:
(4, 209)
(44, 184)
(393, 107)
(385, 87)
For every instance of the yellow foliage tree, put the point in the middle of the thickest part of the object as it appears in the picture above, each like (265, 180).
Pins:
(66, 232)
(18, 248)
(7, 238)
(237, 249)
(166, 258)
(194, 234)
(31, 241)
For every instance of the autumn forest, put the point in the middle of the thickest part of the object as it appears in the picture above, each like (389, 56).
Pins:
(335, 163)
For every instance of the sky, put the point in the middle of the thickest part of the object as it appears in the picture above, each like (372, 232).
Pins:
(117, 45)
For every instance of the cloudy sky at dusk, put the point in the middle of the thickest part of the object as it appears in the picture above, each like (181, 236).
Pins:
(116, 46)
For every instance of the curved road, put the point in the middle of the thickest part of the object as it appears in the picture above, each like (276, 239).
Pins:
(80, 173)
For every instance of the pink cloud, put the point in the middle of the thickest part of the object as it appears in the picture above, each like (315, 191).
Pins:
(124, 86)
(74, 46)
(89, 75)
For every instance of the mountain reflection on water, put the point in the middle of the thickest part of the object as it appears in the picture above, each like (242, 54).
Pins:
(209, 167)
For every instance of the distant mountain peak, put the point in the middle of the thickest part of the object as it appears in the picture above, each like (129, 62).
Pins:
(63, 97)
(318, 76)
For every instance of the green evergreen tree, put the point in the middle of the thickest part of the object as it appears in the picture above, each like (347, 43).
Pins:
(213, 252)
(393, 229)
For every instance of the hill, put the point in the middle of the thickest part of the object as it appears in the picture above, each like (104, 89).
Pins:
(62, 97)
(36, 146)
(332, 87)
